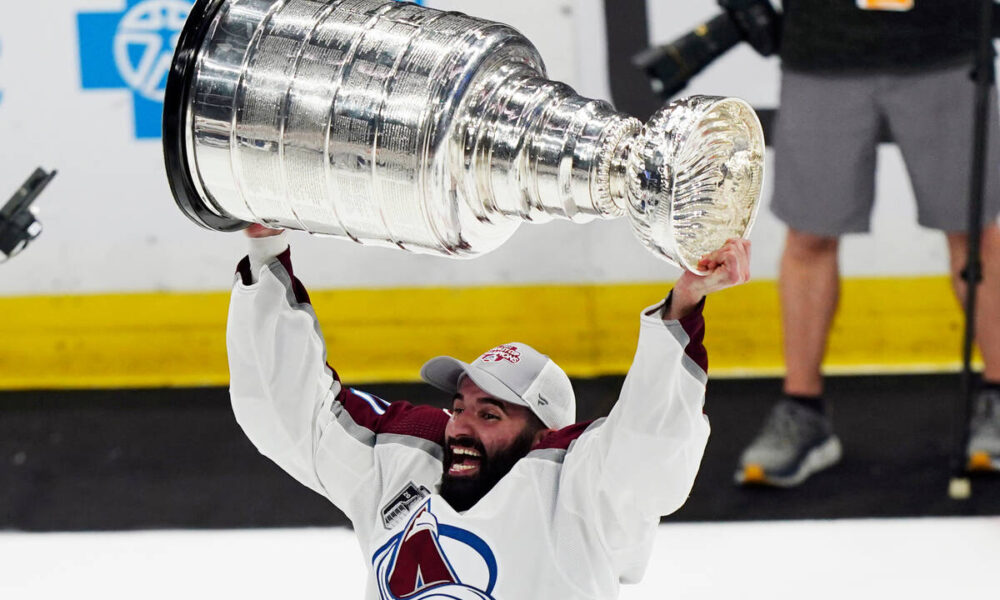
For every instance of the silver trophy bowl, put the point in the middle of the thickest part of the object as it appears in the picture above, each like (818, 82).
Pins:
(397, 125)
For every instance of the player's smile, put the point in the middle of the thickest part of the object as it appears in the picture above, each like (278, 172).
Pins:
(483, 439)
(464, 462)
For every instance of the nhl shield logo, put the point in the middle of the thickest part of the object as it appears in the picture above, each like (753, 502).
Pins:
(432, 561)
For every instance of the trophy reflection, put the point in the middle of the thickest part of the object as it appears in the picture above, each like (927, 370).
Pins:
(397, 125)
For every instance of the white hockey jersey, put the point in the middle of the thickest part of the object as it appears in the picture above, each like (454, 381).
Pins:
(572, 520)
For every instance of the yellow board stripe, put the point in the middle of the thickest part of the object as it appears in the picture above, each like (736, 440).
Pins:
(175, 339)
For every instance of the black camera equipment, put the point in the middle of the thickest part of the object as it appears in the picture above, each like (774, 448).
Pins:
(671, 66)
(18, 226)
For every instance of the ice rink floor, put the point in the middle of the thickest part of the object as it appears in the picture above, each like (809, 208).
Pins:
(911, 559)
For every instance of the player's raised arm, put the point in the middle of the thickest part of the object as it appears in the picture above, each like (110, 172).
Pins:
(640, 463)
(279, 382)
(285, 396)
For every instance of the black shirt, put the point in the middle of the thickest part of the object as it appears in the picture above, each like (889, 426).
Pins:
(835, 36)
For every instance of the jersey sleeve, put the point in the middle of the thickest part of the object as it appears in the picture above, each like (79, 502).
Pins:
(622, 473)
(292, 404)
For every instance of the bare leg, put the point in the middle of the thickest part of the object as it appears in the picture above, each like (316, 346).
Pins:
(988, 299)
(809, 286)
(797, 438)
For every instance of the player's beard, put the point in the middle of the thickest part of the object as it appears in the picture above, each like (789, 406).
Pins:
(462, 493)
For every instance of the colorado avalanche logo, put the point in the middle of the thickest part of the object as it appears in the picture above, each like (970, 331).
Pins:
(429, 561)
(505, 352)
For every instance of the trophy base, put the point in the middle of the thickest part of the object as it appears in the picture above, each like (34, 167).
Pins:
(175, 104)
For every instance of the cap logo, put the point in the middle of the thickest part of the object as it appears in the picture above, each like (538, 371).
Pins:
(505, 352)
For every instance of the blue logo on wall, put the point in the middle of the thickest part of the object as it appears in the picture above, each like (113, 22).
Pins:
(131, 51)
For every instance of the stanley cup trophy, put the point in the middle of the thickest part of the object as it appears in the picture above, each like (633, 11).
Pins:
(397, 125)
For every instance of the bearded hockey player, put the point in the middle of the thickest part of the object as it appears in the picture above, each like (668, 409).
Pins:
(503, 496)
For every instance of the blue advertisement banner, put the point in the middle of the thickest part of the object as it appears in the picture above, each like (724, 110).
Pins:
(131, 50)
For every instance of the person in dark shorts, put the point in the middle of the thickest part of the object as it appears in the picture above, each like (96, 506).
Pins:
(848, 66)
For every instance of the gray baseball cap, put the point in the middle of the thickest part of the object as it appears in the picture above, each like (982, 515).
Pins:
(515, 373)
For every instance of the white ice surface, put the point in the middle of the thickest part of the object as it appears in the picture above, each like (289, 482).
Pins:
(911, 559)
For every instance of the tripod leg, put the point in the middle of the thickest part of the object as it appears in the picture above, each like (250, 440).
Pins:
(960, 487)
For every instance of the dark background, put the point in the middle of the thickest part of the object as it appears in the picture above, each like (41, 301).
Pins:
(175, 458)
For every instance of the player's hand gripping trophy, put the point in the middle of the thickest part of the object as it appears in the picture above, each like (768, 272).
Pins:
(393, 124)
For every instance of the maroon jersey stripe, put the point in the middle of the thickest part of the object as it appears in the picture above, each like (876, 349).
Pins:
(285, 258)
(694, 326)
(399, 417)
(562, 438)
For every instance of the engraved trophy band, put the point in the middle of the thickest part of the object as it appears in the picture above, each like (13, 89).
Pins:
(398, 125)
